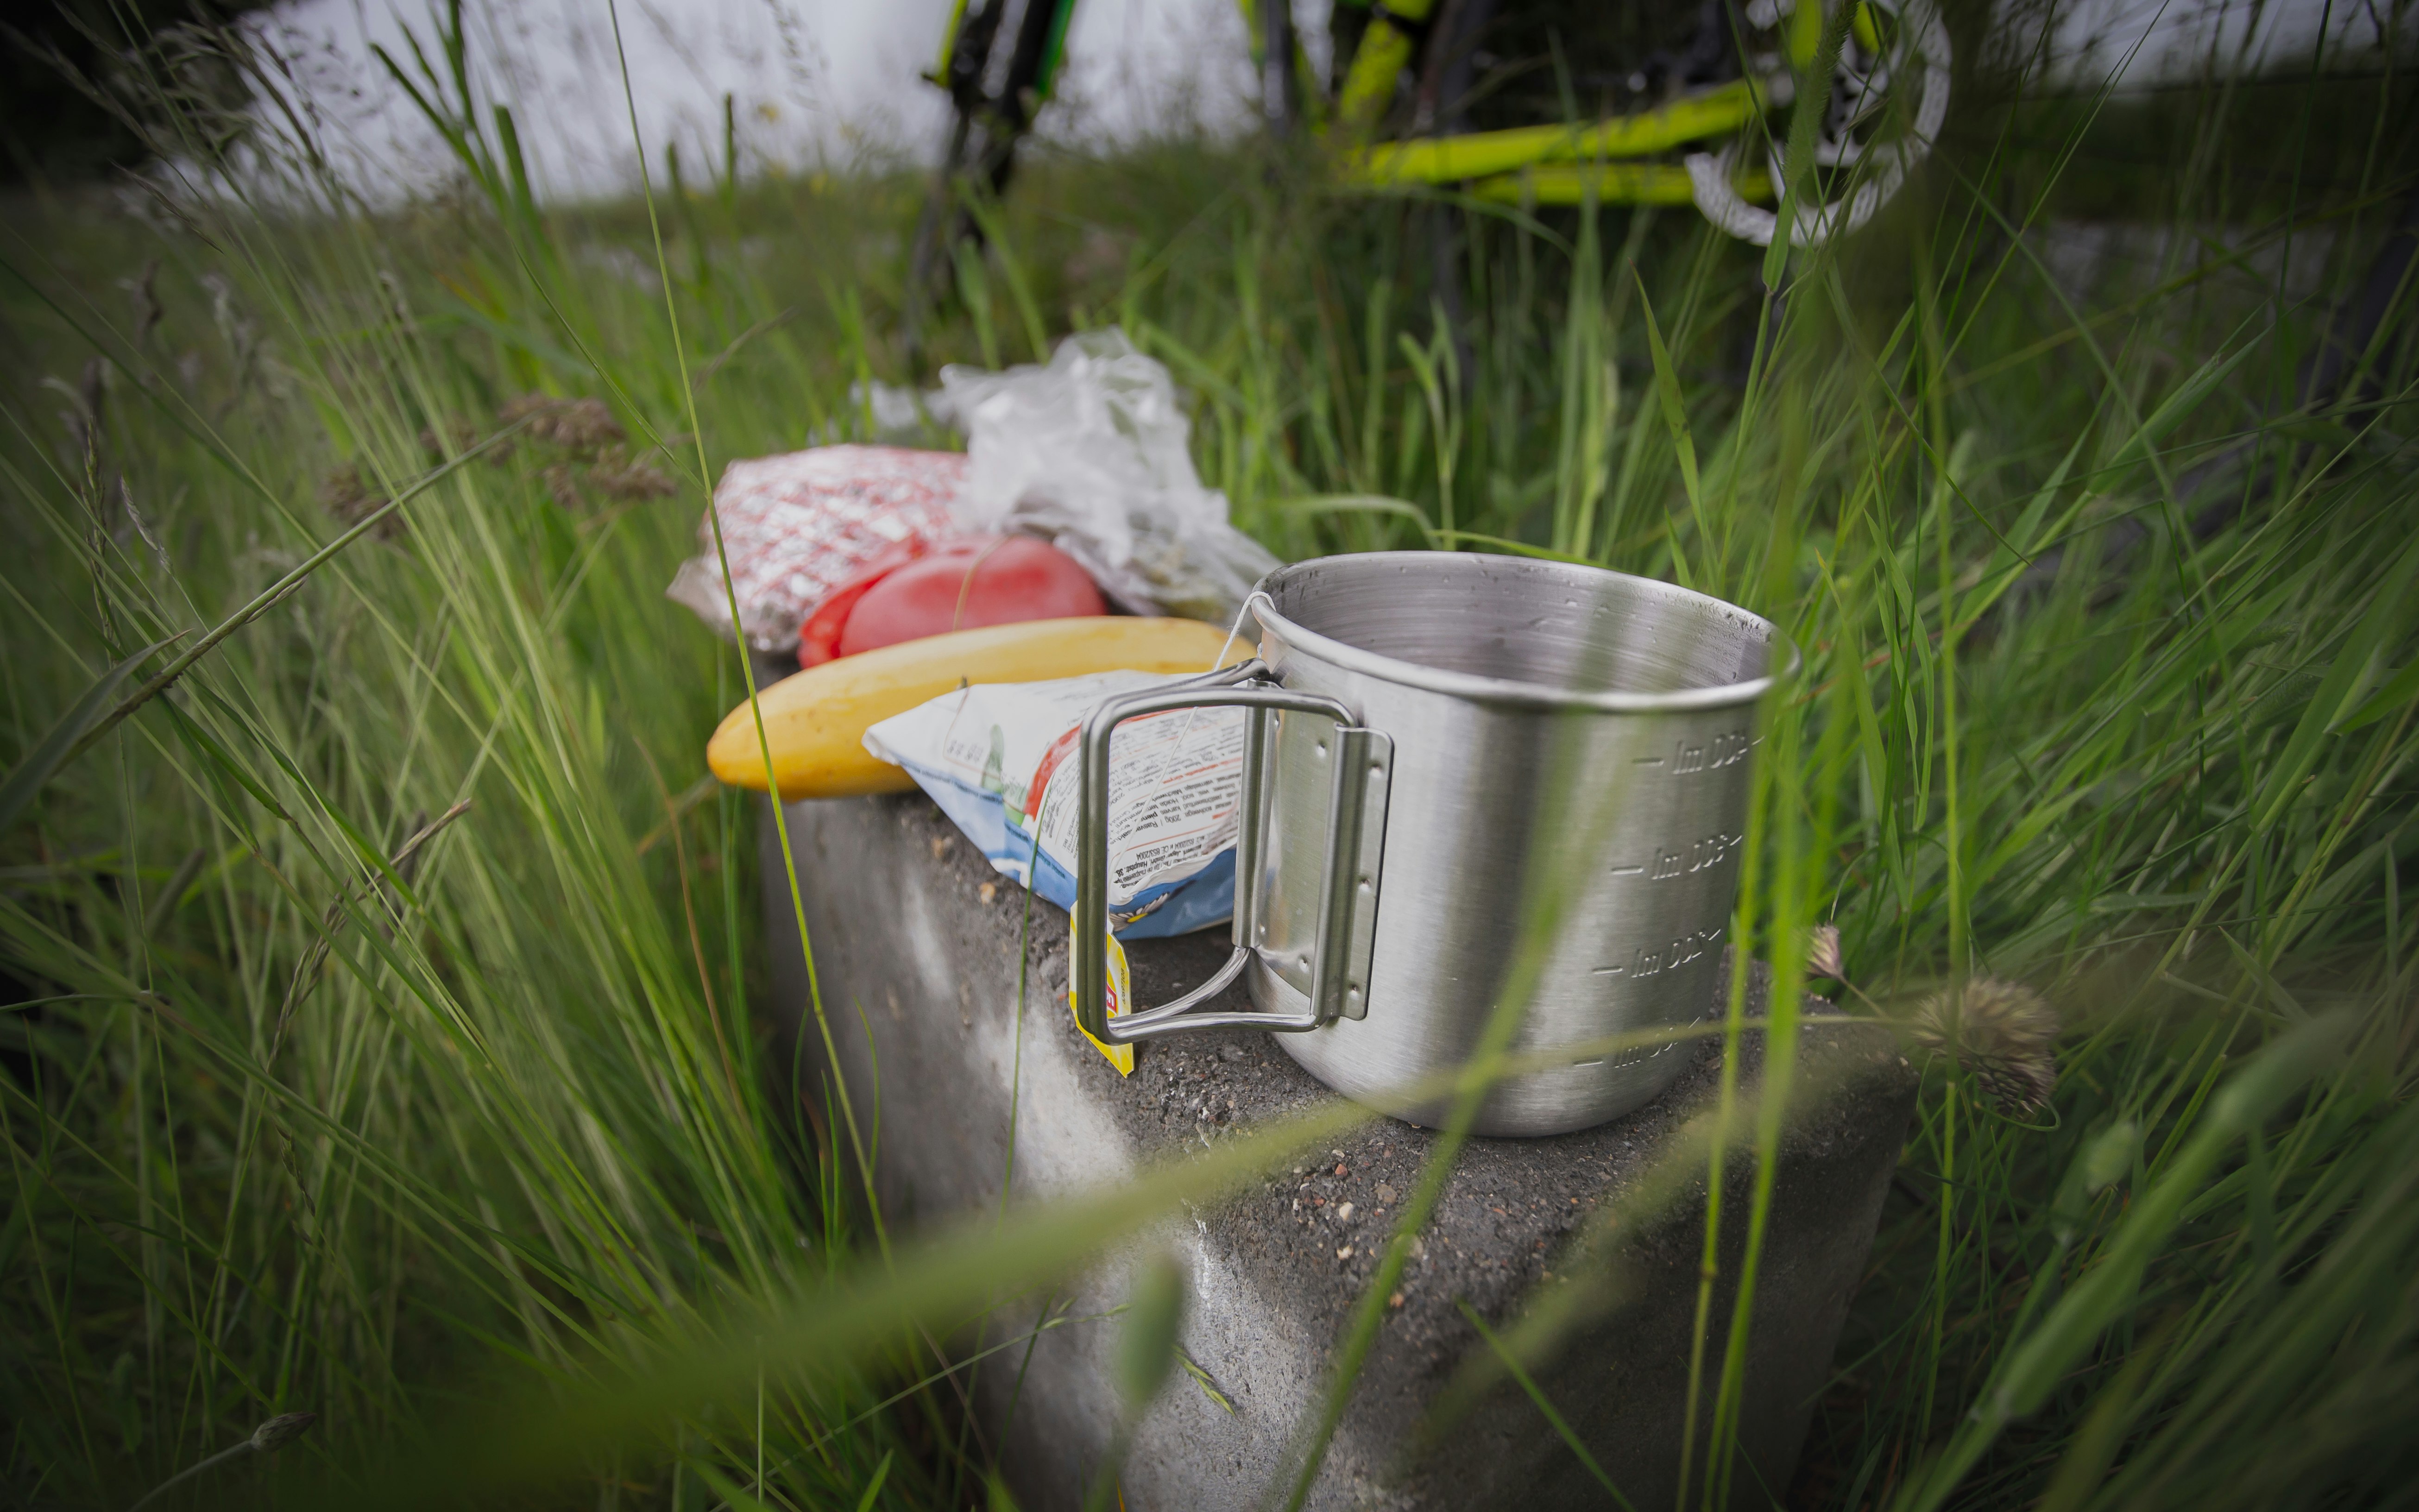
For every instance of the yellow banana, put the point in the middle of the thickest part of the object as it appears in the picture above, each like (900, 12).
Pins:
(815, 721)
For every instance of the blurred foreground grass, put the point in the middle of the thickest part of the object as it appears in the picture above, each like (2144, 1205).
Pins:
(2102, 556)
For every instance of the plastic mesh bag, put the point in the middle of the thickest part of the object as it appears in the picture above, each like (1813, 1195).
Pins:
(1091, 454)
(798, 525)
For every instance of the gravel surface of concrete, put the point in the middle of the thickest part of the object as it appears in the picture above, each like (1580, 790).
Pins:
(916, 940)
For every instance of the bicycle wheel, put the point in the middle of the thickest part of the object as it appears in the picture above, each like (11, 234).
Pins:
(1888, 101)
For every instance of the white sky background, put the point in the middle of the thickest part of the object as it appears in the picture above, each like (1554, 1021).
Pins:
(2173, 40)
(817, 84)
(831, 83)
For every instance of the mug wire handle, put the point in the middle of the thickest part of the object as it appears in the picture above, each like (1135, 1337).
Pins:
(1361, 764)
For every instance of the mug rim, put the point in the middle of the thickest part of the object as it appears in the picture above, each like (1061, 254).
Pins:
(1481, 689)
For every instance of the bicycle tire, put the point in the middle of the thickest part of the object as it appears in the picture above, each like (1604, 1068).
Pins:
(1878, 170)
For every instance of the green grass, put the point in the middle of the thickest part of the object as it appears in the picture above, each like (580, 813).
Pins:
(484, 1160)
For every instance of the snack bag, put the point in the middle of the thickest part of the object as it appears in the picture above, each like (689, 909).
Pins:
(1000, 760)
(1121, 993)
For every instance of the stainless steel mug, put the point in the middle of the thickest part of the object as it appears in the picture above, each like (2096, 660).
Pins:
(1431, 737)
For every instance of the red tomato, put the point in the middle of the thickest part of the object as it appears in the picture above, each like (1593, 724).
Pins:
(819, 638)
(960, 585)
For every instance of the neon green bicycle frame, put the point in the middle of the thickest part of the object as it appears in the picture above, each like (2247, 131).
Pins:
(1541, 164)
(1563, 165)
(1572, 165)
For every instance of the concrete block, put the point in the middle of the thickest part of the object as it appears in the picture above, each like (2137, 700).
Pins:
(916, 941)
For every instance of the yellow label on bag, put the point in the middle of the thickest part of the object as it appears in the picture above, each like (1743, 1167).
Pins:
(1121, 989)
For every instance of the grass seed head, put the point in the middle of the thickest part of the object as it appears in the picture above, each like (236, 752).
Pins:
(2001, 1031)
(562, 484)
(580, 426)
(349, 500)
(281, 1430)
(618, 475)
(456, 434)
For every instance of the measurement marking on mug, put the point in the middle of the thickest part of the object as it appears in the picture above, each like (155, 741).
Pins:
(1671, 957)
(1710, 852)
(1728, 749)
